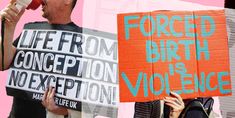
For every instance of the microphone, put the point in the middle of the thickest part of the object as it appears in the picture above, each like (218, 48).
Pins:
(29, 4)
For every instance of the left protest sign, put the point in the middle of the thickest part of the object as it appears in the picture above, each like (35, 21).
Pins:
(80, 63)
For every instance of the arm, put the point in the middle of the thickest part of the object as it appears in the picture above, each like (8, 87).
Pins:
(176, 103)
(49, 103)
(12, 16)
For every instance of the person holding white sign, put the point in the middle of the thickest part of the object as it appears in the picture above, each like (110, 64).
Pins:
(58, 14)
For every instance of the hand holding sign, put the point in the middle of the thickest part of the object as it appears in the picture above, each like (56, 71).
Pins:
(176, 103)
(49, 103)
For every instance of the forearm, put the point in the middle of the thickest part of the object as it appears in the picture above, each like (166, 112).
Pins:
(11, 15)
(9, 49)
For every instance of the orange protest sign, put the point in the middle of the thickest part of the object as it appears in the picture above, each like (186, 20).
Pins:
(181, 51)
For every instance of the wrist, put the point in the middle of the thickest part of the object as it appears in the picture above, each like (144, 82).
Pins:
(58, 110)
(10, 28)
(174, 114)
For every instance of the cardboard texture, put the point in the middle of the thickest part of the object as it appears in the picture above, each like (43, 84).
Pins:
(181, 51)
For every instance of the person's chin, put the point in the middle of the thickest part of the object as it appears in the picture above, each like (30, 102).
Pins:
(44, 15)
